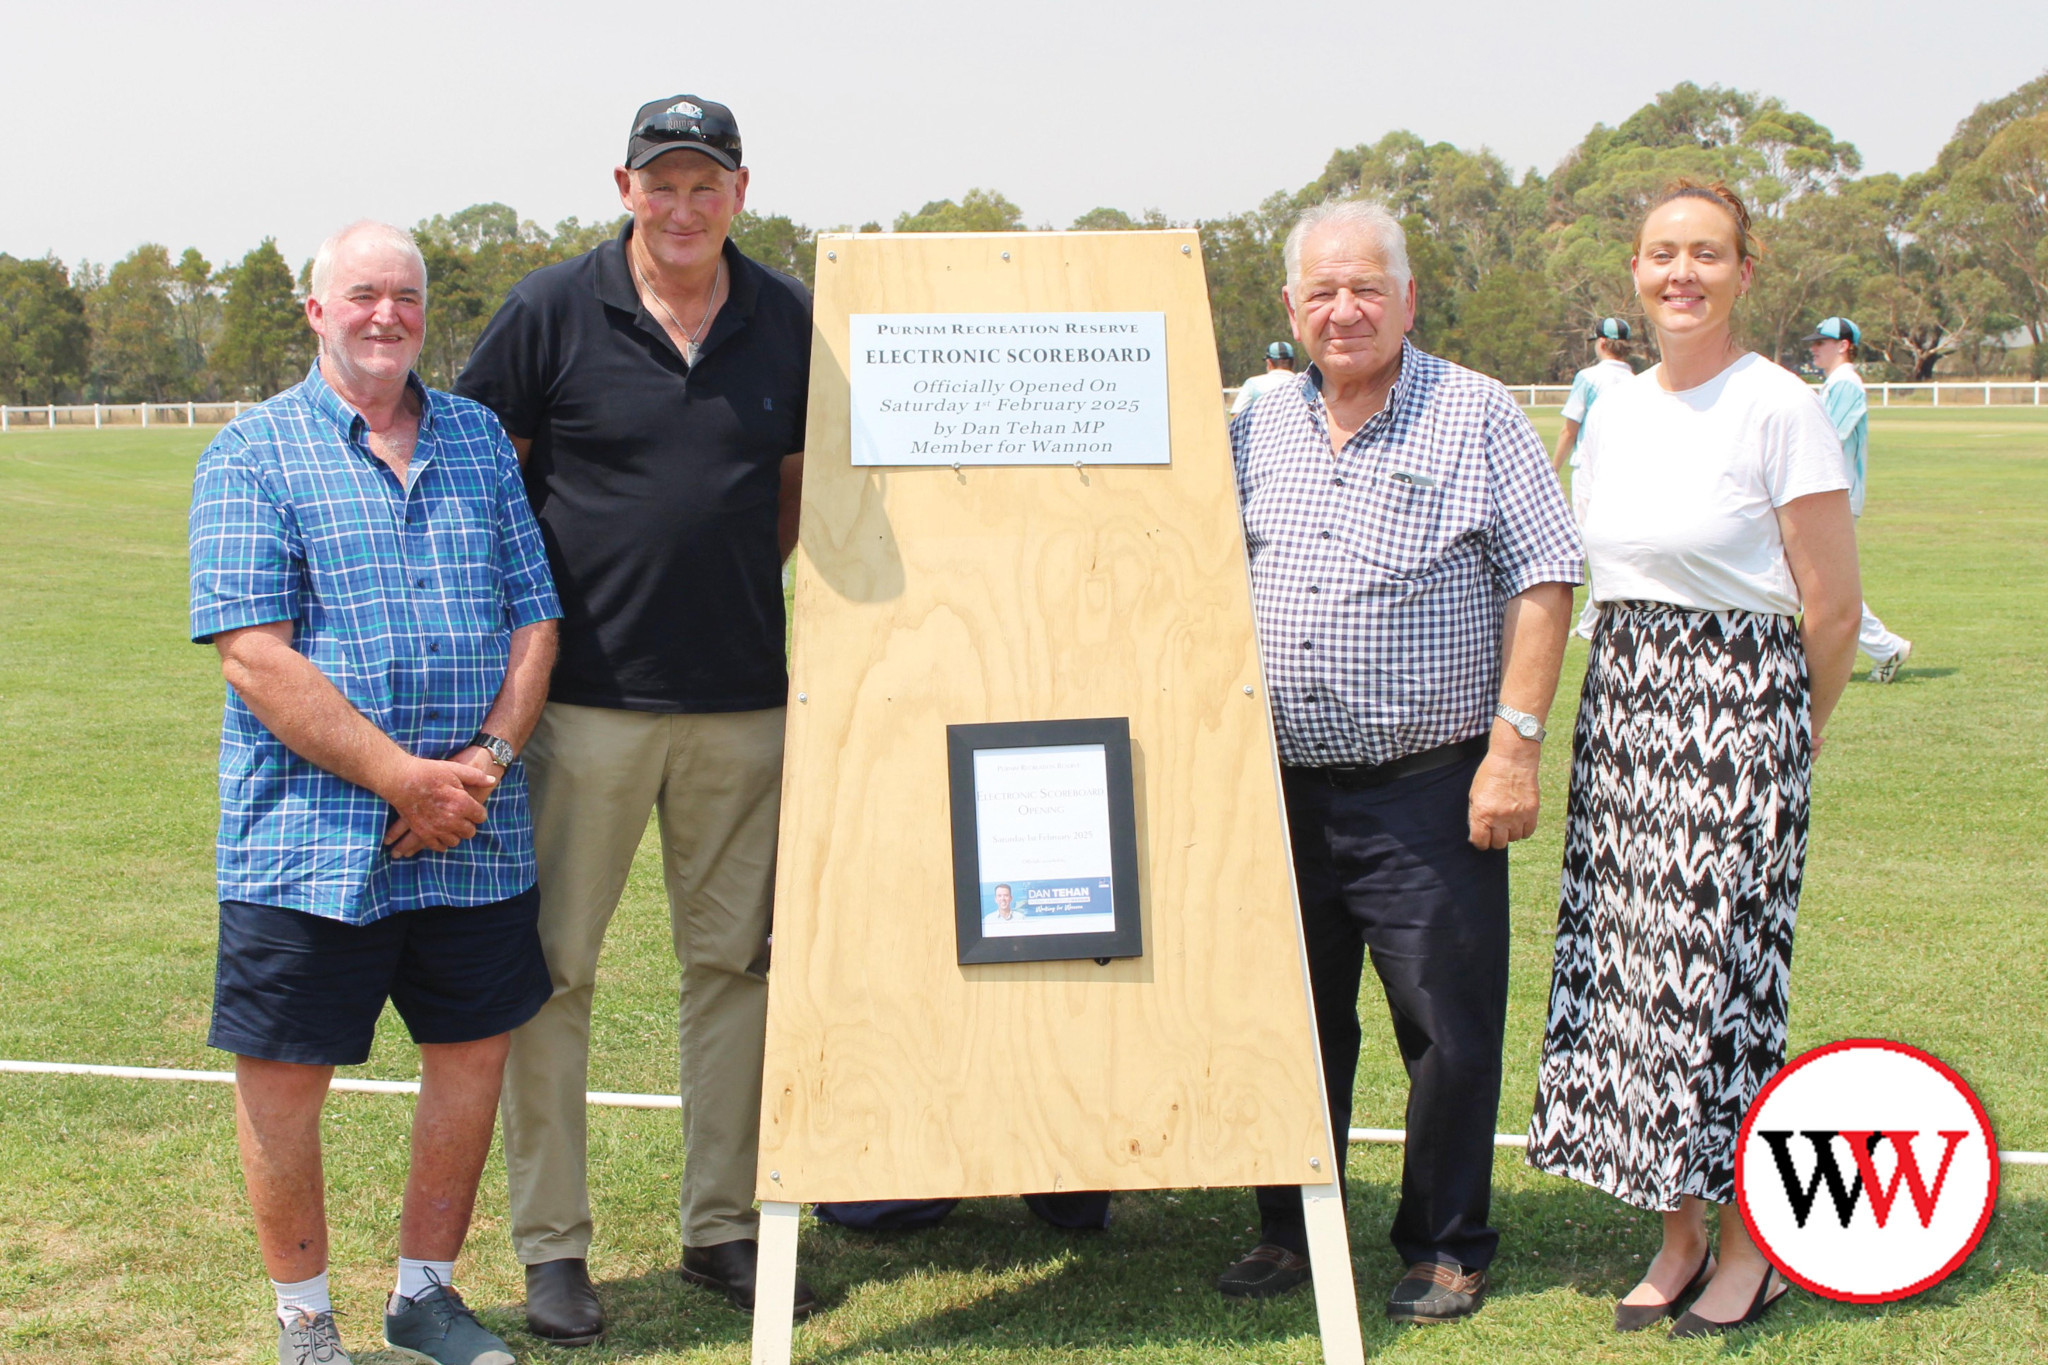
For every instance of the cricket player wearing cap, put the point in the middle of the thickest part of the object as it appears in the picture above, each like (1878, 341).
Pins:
(655, 390)
(1611, 341)
(1279, 370)
(1833, 347)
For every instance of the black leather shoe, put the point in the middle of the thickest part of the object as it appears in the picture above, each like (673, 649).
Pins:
(729, 1268)
(1268, 1271)
(561, 1304)
(1432, 1291)
(1693, 1325)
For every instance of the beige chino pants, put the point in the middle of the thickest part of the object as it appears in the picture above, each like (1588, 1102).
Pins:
(716, 782)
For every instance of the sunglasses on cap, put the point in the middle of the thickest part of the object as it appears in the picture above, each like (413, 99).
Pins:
(682, 129)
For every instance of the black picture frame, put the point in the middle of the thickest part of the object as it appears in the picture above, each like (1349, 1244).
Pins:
(1113, 733)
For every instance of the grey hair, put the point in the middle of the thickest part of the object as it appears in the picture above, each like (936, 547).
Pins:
(1362, 214)
(323, 259)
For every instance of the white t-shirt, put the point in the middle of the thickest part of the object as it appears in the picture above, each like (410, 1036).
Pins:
(1248, 393)
(1683, 487)
(1587, 386)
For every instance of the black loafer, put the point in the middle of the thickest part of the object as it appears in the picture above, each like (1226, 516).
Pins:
(729, 1268)
(561, 1303)
(1267, 1272)
(1433, 1291)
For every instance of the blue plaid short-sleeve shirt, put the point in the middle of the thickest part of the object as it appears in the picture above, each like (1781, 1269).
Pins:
(406, 598)
(1379, 576)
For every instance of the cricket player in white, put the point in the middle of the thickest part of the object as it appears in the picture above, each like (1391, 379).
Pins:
(1279, 370)
(1833, 347)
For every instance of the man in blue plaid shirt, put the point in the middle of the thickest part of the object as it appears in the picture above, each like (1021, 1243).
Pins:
(364, 560)
(1412, 560)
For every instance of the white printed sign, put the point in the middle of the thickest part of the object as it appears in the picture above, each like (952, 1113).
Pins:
(1042, 818)
(1008, 388)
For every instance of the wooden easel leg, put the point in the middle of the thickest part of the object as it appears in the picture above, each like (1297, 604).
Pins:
(775, 1284)
(1329, 1254)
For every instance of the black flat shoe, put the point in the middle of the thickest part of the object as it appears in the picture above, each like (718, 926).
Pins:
(1693, 1325)
(730, 1267)
(1634, 1317)
(561, 1303)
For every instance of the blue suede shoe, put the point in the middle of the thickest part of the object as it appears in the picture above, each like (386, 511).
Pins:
(437, 1326)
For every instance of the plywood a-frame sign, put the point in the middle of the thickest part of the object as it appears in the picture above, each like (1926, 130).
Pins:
(928, 597)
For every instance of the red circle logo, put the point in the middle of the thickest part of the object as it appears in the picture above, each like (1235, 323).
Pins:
(1866, 1171)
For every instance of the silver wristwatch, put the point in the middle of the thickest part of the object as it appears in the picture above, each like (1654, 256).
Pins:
(500, 752)
(1526, 725)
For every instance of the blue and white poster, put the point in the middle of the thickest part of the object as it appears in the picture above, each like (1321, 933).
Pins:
(1042, 822)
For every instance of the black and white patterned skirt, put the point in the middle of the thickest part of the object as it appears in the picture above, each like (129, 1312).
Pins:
(1685, 838)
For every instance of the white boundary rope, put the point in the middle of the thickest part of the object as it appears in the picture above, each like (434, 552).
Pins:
(612, 1099)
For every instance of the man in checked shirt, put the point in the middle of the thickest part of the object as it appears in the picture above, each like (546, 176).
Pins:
(364, 560)
(1412, 560)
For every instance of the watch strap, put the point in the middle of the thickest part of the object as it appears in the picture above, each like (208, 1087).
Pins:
(1522, 721)
(500, 751)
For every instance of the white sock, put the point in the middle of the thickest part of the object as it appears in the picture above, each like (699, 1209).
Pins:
(417, 1277)
(307, 1296)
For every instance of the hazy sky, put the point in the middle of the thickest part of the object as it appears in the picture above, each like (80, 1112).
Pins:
(215, 124)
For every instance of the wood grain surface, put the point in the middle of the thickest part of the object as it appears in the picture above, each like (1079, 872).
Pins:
(929, 597)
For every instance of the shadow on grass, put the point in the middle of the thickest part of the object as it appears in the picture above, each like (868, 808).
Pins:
(995, 1277)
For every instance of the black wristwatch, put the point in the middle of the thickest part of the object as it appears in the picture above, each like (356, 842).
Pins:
(500, 752)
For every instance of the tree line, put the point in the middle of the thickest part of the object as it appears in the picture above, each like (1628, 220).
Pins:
(1946, 270)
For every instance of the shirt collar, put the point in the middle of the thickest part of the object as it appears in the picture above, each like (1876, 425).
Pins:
(615, 284)
(1405, 385)
(336, 409)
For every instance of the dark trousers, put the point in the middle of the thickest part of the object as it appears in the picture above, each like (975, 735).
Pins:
(1389, 870)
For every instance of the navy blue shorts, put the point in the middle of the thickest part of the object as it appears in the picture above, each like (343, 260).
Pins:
(294, 987)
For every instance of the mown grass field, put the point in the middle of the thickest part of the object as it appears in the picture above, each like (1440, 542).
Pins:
(122, 1230)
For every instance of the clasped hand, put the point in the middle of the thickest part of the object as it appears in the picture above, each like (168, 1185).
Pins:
(437, 804)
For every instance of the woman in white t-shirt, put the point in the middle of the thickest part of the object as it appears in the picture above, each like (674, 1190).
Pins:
(1723, 560)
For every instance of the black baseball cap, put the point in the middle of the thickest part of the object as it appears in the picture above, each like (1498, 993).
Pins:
(683, 123)
(1613, 329)
(1837, 329)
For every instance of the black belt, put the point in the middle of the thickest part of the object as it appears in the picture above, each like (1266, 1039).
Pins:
(1355, 776)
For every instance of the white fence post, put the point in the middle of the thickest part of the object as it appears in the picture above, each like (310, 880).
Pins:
(188, 414)
(53, 416)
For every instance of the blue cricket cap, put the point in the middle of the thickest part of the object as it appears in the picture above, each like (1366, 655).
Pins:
(1837, 329)
(1613, 329)
(1280, 350)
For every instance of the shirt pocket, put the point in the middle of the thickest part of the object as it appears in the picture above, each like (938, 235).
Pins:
(466, 551)
(1392, 524)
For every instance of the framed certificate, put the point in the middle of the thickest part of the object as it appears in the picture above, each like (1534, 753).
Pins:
(1045, 840)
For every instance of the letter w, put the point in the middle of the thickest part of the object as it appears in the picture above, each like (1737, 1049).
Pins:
(1824, 1168)
(1864, 1146)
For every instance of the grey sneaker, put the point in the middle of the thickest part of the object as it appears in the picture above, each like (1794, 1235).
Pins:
(437, 1326)
(309, 1339)
(1889, 669)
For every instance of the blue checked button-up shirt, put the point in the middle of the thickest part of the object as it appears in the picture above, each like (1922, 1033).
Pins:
(405, 598)
(1379, 576)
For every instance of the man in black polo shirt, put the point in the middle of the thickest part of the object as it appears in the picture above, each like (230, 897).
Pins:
(655, 390)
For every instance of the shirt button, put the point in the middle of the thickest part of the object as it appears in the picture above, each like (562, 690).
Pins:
(1308, 644)
(1325, 535)
(433, 646)
(419, 582)
(1315, 587)
(1338, 482)
(433, 715)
